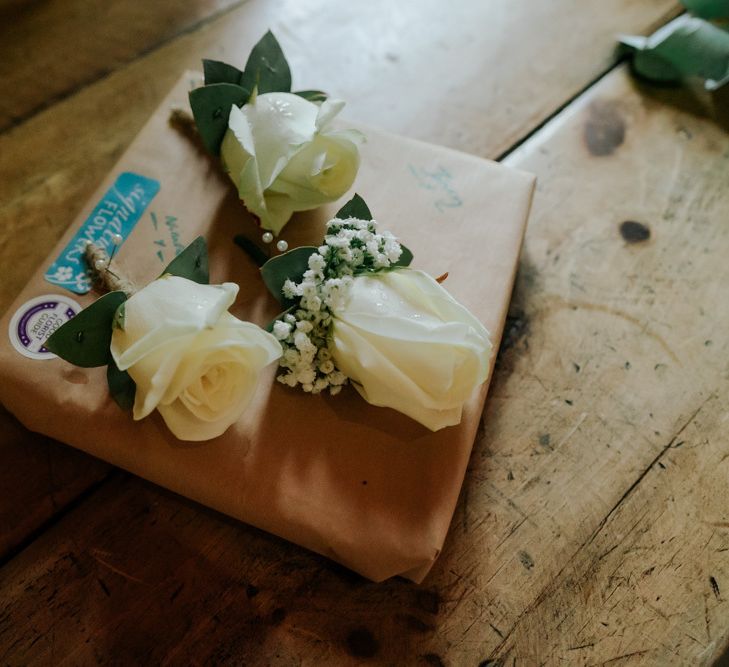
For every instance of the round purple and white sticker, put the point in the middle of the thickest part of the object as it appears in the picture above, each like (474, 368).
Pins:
(34, 322)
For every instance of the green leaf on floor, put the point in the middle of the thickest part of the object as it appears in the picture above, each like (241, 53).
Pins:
(686, 47)
(211, 110)
(708, 9)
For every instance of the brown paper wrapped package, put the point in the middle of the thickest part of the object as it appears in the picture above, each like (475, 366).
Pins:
(364, 486)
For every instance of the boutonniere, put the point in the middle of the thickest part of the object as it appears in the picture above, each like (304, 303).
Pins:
(171, 345)
(355, 312)
(280, 148)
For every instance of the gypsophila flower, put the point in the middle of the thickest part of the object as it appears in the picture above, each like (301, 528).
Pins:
(281, 329)
(317, 262)
(350, 246)
(291, 356)
(290, 289)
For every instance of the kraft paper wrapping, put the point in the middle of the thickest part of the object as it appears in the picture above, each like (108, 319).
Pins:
(364, 486)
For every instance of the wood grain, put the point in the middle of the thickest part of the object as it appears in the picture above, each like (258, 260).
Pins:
(478, 95)
(628, 370)
(592, 528)
(39, 477)
(52, 48)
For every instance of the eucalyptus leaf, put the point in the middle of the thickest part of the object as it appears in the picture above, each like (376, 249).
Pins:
(708, 9)
(291, 265)
(354, 208)
(686, 47)
(251, 249)
(121, 386)
(405, 259)
(648, 65)
(211, 109)
(85, 339)
(312, 95)
(191, 263)
(220, 72)
(266, 69)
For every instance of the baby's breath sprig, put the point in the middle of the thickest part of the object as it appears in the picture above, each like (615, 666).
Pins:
(351, 247)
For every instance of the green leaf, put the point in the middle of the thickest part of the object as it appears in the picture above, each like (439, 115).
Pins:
(708, 9)
(312, 95)
(121, 386)
(266, 69)
(85, 339)
(251, 249)
(405, 258)
(211, 109)
(354, 208)
(686, 47)
(191, 263)
(291, 265)
(649, 66)
(220, 72)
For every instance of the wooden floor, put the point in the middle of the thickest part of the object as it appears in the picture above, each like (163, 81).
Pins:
(593, 526)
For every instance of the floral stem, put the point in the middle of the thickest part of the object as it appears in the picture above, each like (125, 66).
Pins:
(183, 121)
(105, 273)
(259, 257)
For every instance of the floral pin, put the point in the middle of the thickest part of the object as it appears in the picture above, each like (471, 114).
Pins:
(279, 148)
(171, 345)
(356, 312)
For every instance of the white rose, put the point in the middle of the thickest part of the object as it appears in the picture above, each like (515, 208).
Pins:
(409, 345)
(189, 357)
(283, 156)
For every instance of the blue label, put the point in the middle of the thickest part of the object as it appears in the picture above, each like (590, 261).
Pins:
(117, 213)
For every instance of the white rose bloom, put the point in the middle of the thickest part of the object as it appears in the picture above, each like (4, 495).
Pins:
(189, 357)
(409, 345)
(283, 156)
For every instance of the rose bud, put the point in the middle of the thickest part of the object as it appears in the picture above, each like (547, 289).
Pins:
(190, 358)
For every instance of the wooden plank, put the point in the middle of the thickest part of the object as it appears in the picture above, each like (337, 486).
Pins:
(38, 478)
(622, 276)
(649, 584)
(592, 527)
(51, 49)
(209, 580)
(50, 164)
